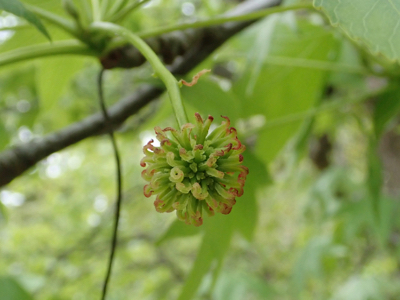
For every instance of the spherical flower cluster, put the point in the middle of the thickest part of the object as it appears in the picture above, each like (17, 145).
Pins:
(194, 172)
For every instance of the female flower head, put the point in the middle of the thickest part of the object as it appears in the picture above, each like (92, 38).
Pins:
(194, 171)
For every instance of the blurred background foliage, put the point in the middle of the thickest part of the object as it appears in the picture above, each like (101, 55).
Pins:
(319, 217)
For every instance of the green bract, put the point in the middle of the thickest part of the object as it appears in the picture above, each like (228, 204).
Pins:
(193, 171)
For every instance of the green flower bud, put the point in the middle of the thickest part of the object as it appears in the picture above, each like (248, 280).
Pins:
(194, 171)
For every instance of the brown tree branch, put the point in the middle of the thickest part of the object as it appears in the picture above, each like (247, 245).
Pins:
(16, 160)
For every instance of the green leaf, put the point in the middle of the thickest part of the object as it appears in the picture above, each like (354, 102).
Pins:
(245, 212)
(10, 289)
(239, 285)
(215, 243)
(177, 229)
(386, 108)
(208, 98)
(277, 91)
(371, 22)
(17, 8)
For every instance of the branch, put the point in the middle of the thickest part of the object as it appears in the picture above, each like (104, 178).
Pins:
(18, 159)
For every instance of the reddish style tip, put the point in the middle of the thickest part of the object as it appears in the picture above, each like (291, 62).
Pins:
(198, 117)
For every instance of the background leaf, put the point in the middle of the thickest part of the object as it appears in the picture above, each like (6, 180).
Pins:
(17, 8)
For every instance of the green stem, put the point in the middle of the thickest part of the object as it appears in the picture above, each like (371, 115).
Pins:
(223, 19)
(57, 20)
(127, 10)
(42, 50)
(161, 71)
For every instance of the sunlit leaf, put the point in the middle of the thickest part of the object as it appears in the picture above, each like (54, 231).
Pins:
(371, 22)
(17, 8)
(279, 91)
